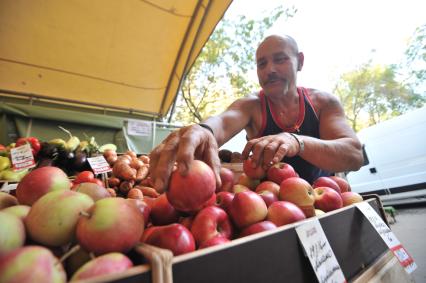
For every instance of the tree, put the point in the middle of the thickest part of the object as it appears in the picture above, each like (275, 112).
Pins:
(416, 58)
(220, 73)
(372, 93)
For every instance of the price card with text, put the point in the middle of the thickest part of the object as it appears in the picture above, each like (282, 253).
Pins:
(319, 252)
(139, 128)
(99, 165)
(22, 157)
(388, 236)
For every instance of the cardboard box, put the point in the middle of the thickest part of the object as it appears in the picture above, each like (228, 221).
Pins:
(276, 256)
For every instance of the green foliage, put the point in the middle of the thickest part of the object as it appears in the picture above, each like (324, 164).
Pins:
(372, 93)
(416, 58)
(220, 73)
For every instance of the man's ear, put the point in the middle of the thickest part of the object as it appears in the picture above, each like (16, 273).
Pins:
(300, 60)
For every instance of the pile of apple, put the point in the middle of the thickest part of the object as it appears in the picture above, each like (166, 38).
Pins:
(54, 229)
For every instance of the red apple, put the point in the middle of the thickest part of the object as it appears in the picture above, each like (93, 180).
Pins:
(111, 263)
(284, 212)
(210, 222)
(31, 264)
(250, 183)
(268, 186)
(252, 171)
(349, 198)
(186, 221)
(343, 184)
(93, 190)
(112, 225)
(7, 200)
(224, 199)
(268, 197)
(227, 178)
(215, 241)
(247, 208)
(326, 182)
(257, 228)
(299, 192)
(189, 193)
(327, 199)
(143, 207)
(174, 237)
(53, 218)
(12, 233)
(162, 212)
(279, 172)
(18, 210)
(39, 182)
(237, 188)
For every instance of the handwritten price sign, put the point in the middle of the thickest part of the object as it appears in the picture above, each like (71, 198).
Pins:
(388, 236)
(319, 252)
(22, 157)
(99, 165)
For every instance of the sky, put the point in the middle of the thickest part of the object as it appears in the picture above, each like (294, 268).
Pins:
(337, 36)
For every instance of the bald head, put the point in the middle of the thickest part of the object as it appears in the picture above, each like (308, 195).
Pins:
(286, 40)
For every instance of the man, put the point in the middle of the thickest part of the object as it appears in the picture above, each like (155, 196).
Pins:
(306, 127)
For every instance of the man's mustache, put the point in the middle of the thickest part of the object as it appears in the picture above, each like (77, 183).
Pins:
(273, 78)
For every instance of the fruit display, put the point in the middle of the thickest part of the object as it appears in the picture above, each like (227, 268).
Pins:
(54, 218)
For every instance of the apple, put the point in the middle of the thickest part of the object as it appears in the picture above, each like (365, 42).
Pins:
(250, 183)
(110, 225)
(93, 190)
(162, 212)
(237, 188)
(227, 178)
(190, 192)
(327, 199)
(215, 241)
(253, 171)
(76, 260)
(257, 228)
(53, 218)
(350, 197)
(224, 199)
(343, 184)
(39, 182)
(186, 221)
(299, 192)
(143, 207)
(7, 200)
(284, 212)
(326, 182)
(18, 210)
(210, 222)
(110, 263)
(174, 237)
(268, 186)
(247, 208)
(279, 172)
(268, 197)
(31, 264)
(12, 233)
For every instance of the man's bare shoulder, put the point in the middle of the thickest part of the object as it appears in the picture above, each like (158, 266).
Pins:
(322, 99)
(247, 102)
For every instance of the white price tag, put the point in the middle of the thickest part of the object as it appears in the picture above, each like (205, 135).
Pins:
(99, 165)
(388, 236)
(22, 157)
(319, 252)
(139, 128)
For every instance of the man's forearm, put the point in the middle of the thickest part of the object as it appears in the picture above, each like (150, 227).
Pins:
(333, 155)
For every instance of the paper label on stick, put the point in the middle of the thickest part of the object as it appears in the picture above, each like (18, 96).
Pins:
(22, 157)
(388, 236)
(99, 165)
(319, 252)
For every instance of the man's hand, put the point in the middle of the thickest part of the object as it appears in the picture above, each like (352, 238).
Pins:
(272, 149)
(182, 147)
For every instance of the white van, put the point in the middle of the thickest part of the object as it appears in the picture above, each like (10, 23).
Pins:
(395, 159)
